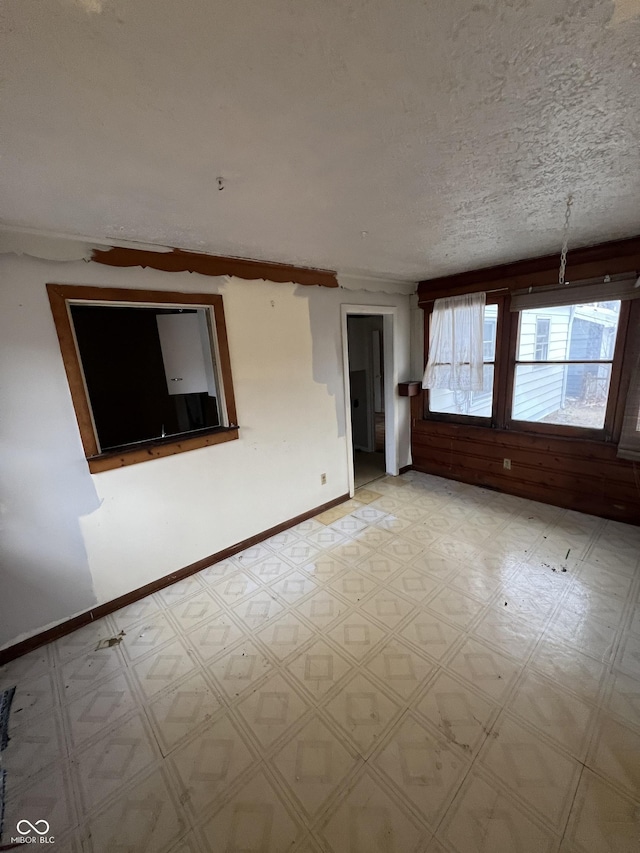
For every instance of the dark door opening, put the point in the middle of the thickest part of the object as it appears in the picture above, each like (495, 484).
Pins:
(366, 378)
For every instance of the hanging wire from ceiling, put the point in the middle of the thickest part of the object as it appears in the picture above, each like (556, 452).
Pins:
(565, 241)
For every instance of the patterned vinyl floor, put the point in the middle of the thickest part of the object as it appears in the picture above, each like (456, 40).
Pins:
(429, 667)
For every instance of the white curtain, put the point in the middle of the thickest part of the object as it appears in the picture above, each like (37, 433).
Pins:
(455, 343)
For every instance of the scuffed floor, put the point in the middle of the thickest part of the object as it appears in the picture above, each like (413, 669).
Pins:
(431, 667)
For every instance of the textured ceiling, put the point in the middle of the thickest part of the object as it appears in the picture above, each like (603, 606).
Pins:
(450, 132)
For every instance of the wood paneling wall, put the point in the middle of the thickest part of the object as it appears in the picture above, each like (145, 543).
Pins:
(573, 472)
(581, 475)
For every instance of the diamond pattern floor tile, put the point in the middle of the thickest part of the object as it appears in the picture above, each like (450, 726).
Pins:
(425, 769)
(322, 609)
(254, 819)
(431, 634)
(146, 817)
(313, 765)
(484, 668)
(401, 669)
(207, 765)
(35, 695)
(387, 608)
(49, 796)
(555, 712)
(174, 714)
(193, 611)
(148, 635)
(369, 818)
(410, 672)
(483, 819)
(615, 754)
(460, 714)
(36, 745)
(357, 635)
(79, 675)
(544, 778)
(272, 709)
(96, 710)
(603, 821)
(319, 669)
(363, 712)
(161, 670)
(240, 669)
(108, 763)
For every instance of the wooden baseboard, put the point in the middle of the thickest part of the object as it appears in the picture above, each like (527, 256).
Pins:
(404, 469)
(101, 610)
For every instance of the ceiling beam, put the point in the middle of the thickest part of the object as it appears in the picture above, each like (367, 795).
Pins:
(179, 261)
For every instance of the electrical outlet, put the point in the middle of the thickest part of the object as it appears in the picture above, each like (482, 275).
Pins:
(506, 463)
(323, 479)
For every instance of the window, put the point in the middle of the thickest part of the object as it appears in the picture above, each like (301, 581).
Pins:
(557, 366)
(542, 338)
(472, 403)
(563, 364)
(149, 371)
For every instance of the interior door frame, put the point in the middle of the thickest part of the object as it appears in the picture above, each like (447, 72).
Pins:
(389, 314)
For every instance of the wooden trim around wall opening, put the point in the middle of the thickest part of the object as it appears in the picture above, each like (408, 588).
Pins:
(61, 296)
(48, 636)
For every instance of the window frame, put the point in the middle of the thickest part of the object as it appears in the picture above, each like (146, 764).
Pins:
(504, 379)
(569, 431)
(476, 420)
(62, 296)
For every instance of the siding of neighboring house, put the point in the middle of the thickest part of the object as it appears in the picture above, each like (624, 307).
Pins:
(479, 405)
(540, 388)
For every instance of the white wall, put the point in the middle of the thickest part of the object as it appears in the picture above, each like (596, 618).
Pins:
(72, 540)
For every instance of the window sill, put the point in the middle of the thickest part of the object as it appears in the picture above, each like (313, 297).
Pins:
(450, 418)
(159, 448)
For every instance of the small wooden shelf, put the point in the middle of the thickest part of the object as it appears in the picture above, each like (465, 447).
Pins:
(409, 389)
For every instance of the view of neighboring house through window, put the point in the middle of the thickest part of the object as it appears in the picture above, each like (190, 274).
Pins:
(543, 325)
(477, 403)
(563, 364)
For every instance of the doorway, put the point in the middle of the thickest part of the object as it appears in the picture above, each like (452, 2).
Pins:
(369, 393)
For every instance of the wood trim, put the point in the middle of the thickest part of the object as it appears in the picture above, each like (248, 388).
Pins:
(501, 363)
(108, 461)
(59, 295)
(225, 363)
(590, 262)
(617, 363)
(632, 350)
(404, 469)
(214, 265)
(48, 636)
(57, 299)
